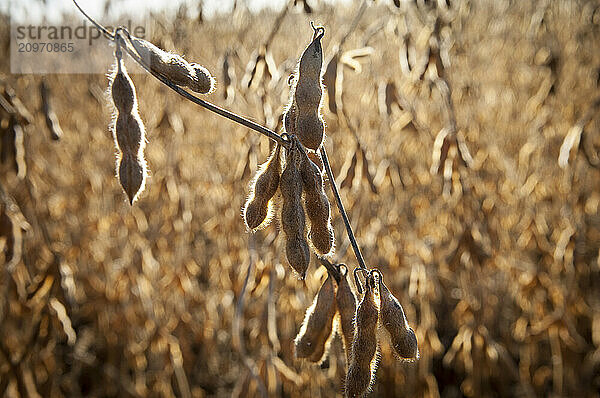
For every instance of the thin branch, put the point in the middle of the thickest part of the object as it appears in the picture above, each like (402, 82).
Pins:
(96, 24)
(340, 205)
(277, 24)
(354, 23)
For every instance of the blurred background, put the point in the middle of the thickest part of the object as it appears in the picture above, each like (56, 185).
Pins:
(464, 136)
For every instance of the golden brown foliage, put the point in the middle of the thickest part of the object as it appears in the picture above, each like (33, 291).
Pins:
(498, 279)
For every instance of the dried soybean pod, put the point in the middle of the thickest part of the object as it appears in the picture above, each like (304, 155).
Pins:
(309, 90)
(258, 208)
(128, 132)
(202, 82)
(171, 66)
(311, 341)
(293, 219)
(122, 89)
(363, 362)
(317, 207)
(346, 306)
(393, 319)
(309, 68)
(132, 175)
(324, 338)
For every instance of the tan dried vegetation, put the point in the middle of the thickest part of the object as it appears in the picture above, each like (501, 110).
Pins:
(465, 136)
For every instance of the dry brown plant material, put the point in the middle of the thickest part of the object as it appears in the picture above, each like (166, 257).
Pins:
(329, 79)
(317, 208)
(573, 138)
(258, 209)
(228, 79)
(350, 57)
(12, 230)
(51, 119)
(13, 148)
(261, 62)
(349, 170)
(345, 301)
(313, 339)
(392, 317)
(12, 104)
(305, 6)
(363, 362)
(293, 220)
(539, 277)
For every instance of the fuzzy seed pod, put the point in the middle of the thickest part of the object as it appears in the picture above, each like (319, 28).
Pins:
(361, 371)
(393, 319)
(203, 82)
(122, 90)
(317, 207)
(308, 92)
(314, 336)
(128, 132)
(258, 208)
(171, 66)
(132, 175)
(293, 219)
(346, 306)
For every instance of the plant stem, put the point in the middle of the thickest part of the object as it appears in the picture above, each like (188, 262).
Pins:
(96, 24)
(340, 205)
